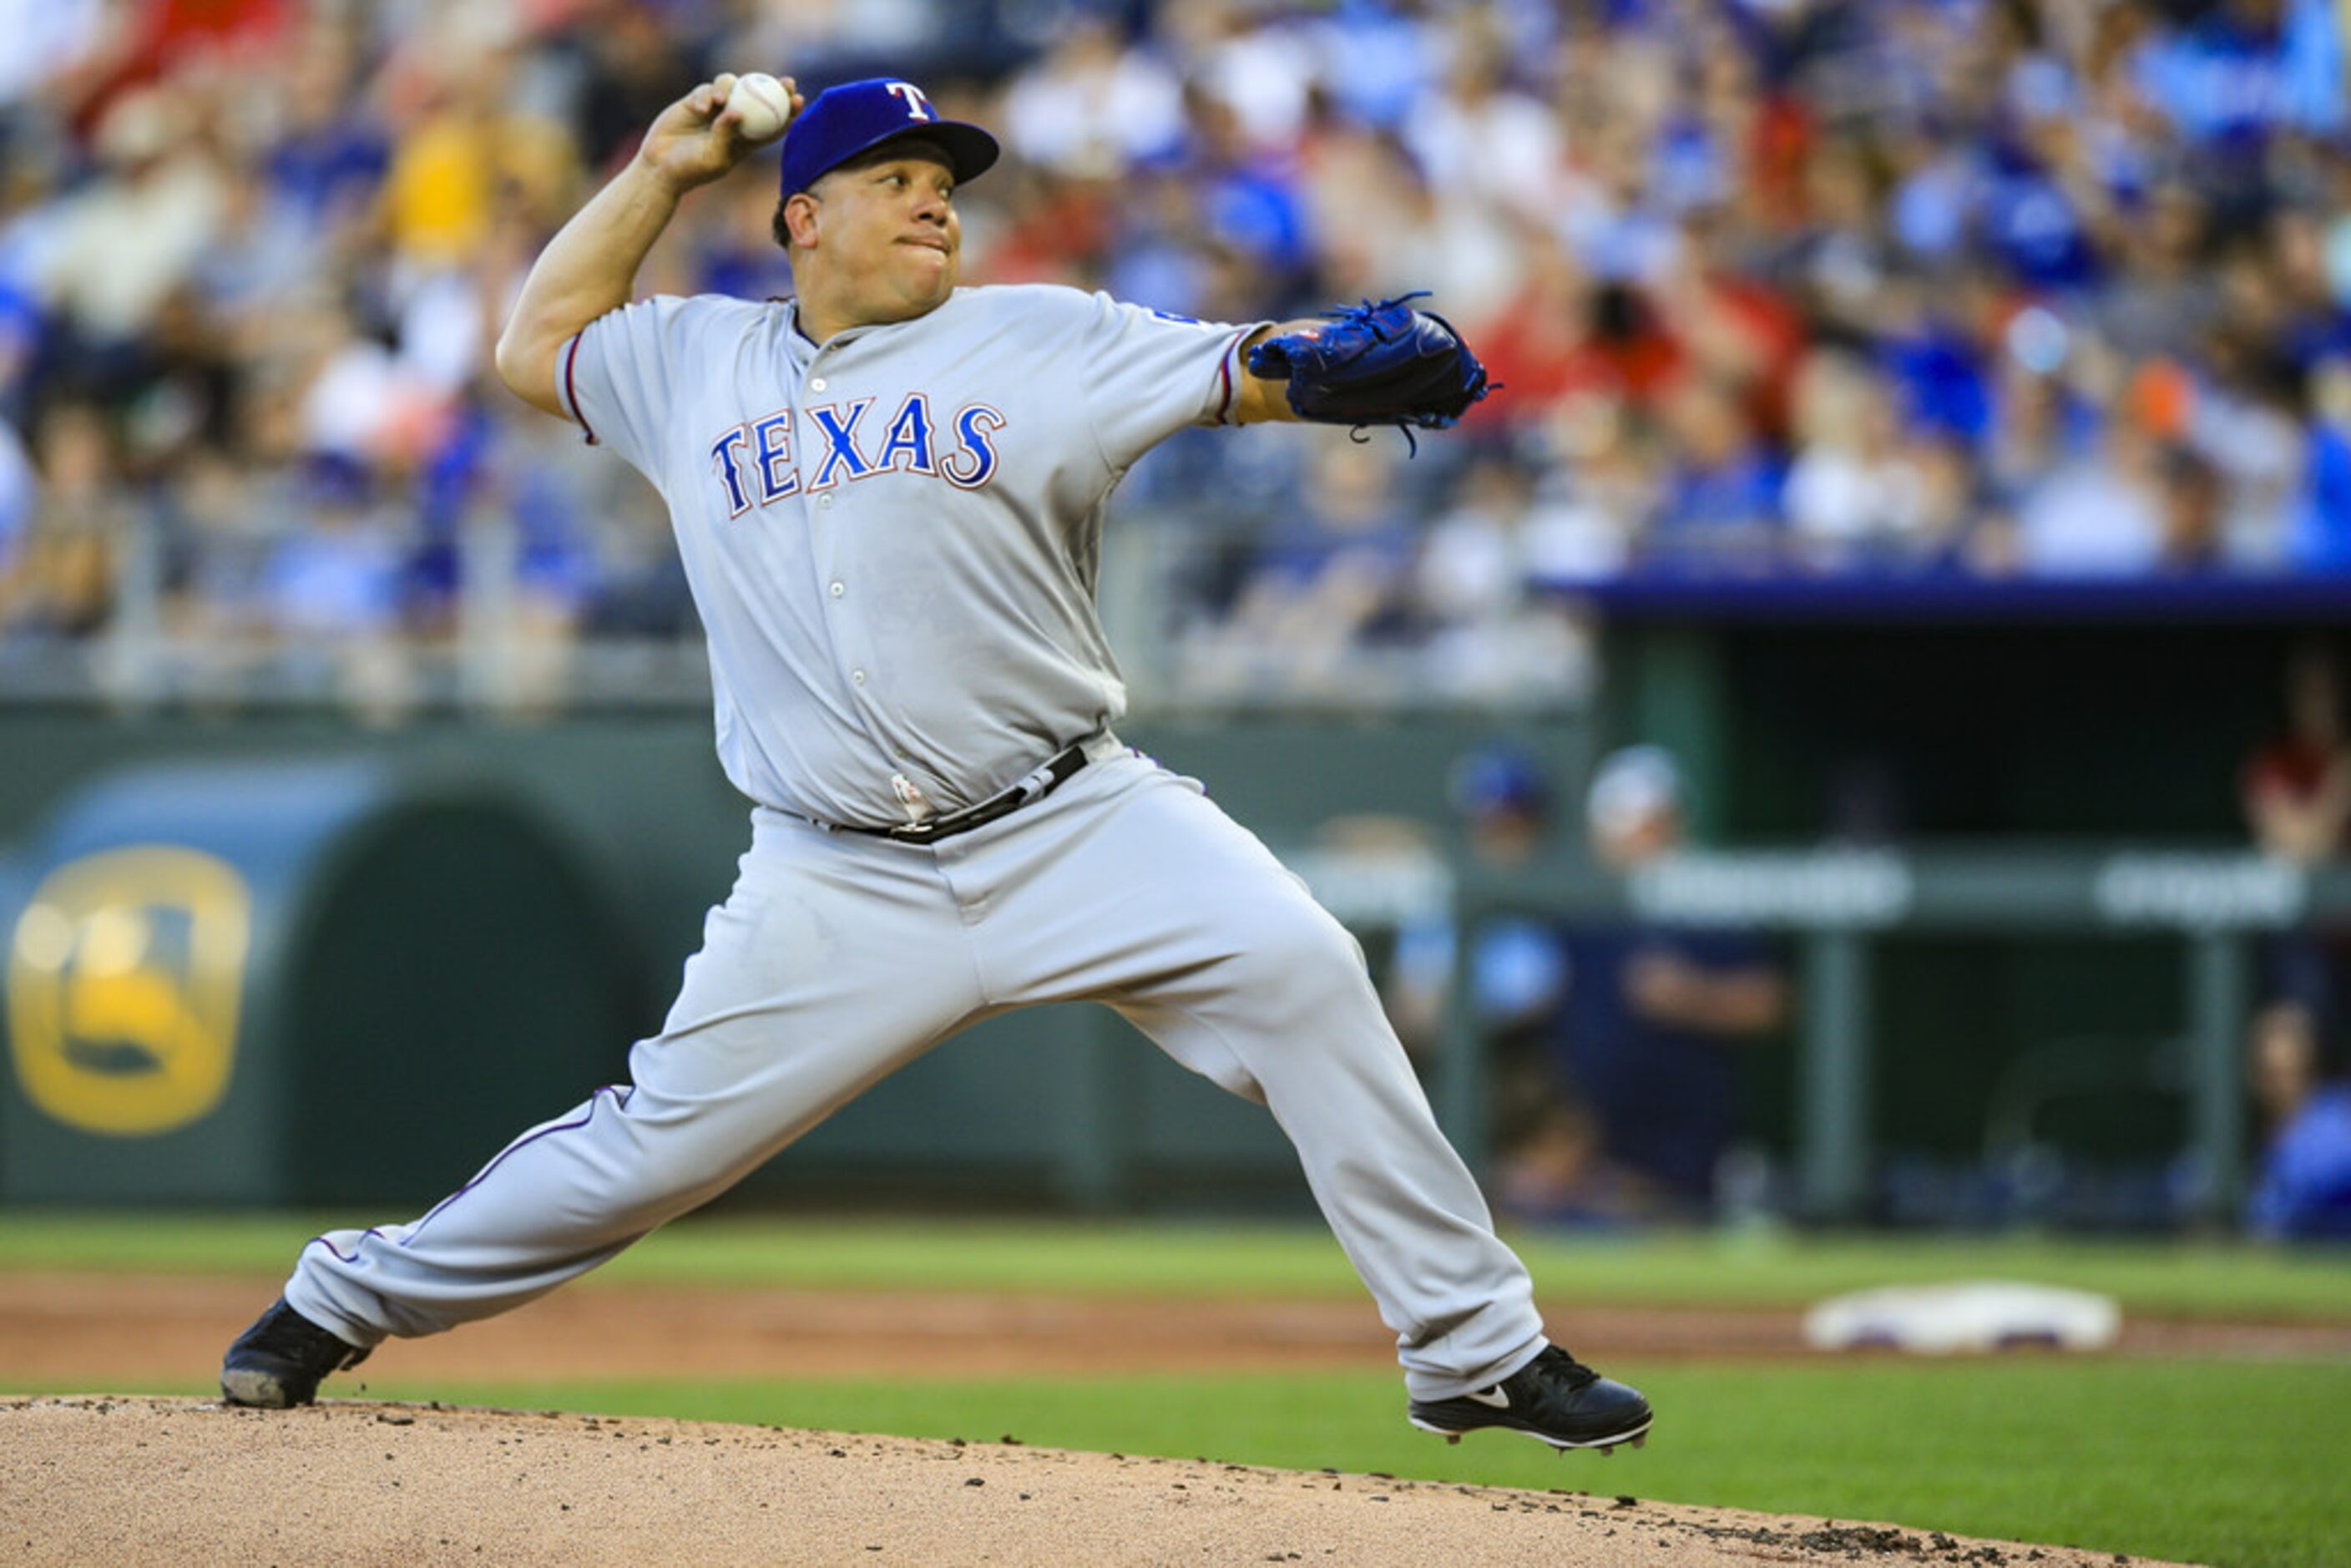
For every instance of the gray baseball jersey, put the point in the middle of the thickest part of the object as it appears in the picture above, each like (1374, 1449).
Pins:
(892, 540)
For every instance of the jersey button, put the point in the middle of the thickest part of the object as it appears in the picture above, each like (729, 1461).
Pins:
(816, 384)
(858, 676)
(824, 503)
(838, 590)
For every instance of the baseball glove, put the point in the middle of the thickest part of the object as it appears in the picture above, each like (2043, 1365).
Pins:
(1382, 363)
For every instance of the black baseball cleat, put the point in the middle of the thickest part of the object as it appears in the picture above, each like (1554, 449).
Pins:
(277, 1362)
(1555, 1398)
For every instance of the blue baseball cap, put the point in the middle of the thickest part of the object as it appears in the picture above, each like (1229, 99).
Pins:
(856, 116)
(1496, 778)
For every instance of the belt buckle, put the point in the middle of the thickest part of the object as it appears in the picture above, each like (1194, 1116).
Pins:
(925, 831)
(1033, 787)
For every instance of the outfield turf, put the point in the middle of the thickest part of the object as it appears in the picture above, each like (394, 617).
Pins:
(2215, 1280)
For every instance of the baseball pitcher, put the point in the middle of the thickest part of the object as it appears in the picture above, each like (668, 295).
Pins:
(888, 495)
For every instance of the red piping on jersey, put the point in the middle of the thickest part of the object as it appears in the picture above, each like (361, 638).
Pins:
(570, 397)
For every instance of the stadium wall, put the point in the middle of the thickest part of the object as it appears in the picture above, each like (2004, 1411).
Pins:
(626, 832)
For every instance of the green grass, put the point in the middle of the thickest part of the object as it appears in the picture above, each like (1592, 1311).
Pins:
(2238, 1464)
(2234, 1465)
(2209, 1279)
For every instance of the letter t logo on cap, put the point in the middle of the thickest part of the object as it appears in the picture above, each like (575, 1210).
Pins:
(918, 106)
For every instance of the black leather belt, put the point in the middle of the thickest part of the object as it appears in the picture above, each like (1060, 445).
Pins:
(1033, 788)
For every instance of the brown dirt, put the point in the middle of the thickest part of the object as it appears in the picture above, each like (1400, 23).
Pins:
(106, 1327)
(139, 1480)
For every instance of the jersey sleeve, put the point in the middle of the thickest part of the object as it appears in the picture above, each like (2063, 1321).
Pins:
(617, 376)
(1150, 373)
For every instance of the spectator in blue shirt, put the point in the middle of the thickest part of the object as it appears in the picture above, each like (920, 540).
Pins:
(1720, 511)
(2303, 1192)
(2321, 542)
(2247, 68)
(18, 493)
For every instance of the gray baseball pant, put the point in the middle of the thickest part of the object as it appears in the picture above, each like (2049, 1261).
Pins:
(839, 957)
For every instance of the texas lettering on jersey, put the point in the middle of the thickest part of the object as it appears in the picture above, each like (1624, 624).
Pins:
(755, 462)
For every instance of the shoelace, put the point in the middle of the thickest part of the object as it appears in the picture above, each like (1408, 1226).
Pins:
(1557, 1362)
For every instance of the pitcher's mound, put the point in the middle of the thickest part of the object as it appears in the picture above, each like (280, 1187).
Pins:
(134, 1479)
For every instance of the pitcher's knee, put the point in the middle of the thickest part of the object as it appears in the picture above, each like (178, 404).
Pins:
(661, 1165)
(1302, 954)
(687, 1176)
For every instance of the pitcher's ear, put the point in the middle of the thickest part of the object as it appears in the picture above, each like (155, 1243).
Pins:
(795, 216)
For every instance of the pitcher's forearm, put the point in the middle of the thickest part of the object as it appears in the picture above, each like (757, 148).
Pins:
(590, 267)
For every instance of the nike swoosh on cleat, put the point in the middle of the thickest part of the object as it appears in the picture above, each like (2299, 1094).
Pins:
(1493, 1396)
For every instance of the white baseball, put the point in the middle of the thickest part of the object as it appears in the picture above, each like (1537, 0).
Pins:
(762, 106)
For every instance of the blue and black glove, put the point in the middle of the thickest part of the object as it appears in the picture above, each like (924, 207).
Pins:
(1375, 364)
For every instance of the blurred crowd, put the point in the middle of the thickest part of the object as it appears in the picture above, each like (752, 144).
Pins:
(1775, 289)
